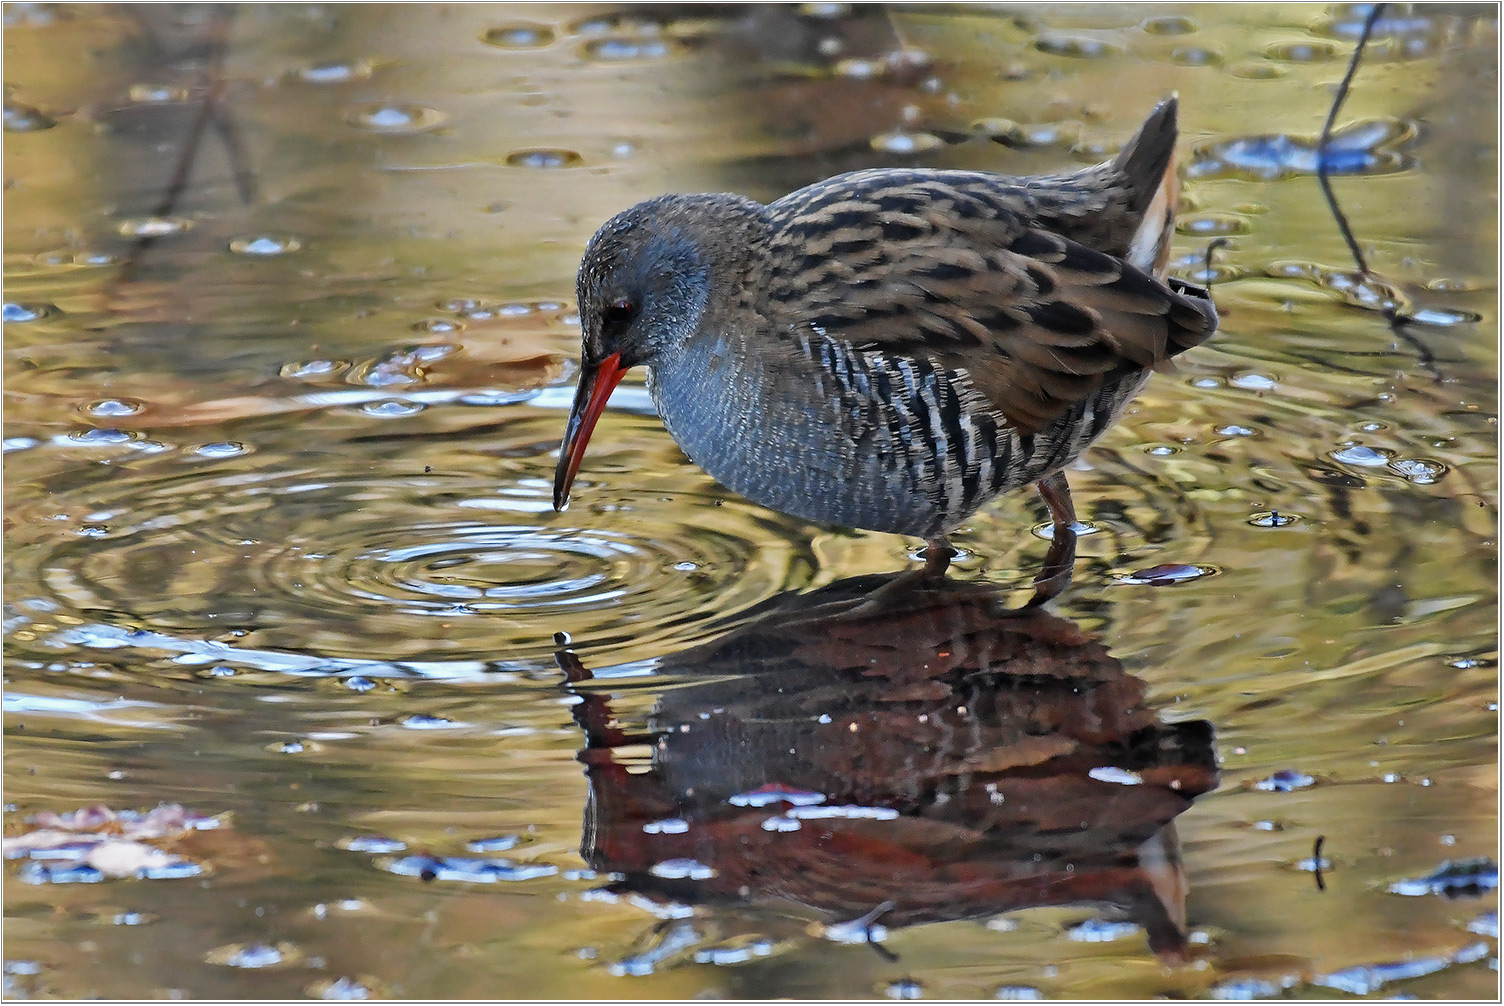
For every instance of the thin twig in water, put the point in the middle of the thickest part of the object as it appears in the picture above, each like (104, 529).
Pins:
(1322, 165)
(1316, 862)
(210, 112)
(1397, 320)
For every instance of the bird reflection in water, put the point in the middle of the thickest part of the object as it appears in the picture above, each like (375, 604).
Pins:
(886, 751)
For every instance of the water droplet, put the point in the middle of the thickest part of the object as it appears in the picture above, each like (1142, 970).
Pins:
(519, 36)
(1368, 457)
(358, 683)
(1301, 52)
(1170, 25)
(312, 368)
(113, 407)
(686, 567)
(1273, 518)
(20, 313)
(219, 671)
(901, 142)
(392, 408)
(1075, 46)
(1168, 574)
(221, 449)
(1213, 225)
(25, 119)
(1101, 930)
(544, 158)
(335, 73)
(396, 118)
(1161, 450)
(154, 227)
(1234, 431)
(265, 244)
(93, 531)
(1421, 471)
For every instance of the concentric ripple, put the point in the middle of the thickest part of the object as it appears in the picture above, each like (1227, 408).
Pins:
(434, 568)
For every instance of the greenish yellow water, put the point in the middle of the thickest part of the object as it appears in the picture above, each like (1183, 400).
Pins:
(279, 545)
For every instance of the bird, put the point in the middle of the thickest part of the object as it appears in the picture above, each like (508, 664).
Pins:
(891, 349)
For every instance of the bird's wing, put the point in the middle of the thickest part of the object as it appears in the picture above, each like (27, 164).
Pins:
(950, 266)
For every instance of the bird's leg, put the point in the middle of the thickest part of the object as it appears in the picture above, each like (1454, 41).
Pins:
(1060, 560)
(937, 556)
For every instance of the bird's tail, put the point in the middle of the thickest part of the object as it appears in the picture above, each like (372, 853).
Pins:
(1147, 164)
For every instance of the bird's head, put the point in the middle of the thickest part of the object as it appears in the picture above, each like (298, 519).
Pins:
(643, 290)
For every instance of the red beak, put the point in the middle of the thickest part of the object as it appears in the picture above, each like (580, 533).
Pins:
(597, 381)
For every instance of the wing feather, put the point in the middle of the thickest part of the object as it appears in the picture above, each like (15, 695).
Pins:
(954, 266)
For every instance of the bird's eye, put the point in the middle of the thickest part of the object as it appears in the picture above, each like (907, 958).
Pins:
(619, 314)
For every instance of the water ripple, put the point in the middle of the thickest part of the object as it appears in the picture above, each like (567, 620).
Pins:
(451, 572)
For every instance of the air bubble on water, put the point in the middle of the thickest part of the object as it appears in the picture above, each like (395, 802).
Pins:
(396, 118)
(1254, 382)
(25, 119)
(1440, 317)
(254, 955)
(312, 368)
(901, 142)
(547, 158)
(1074, 46)
(1170, 25)
(1421, 471)
(905, 988)
(110, 437)
(154, 227)
(221, 449)
(1211, 225)
(335, 72)
(620, 49)
(392, 408)
(1302, 52)
(265, 244)
(519, 36)
(111, 407)
(375, 844)
(26, 312)
(1081, 527)
(1367, 457)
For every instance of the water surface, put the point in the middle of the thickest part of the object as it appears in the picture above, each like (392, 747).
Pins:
(289, 343)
